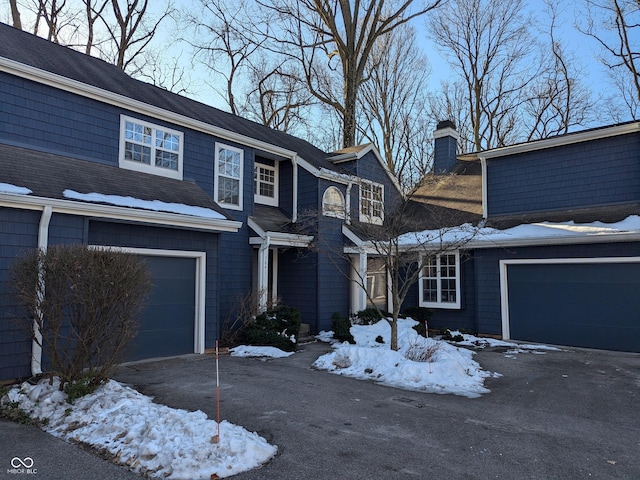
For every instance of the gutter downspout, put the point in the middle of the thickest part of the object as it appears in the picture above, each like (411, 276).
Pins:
(43, 242)
(294, 216)
(347, 218)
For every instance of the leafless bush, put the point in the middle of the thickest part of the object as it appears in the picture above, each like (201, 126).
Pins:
(83, 305)
(420, 351)
(244, 313)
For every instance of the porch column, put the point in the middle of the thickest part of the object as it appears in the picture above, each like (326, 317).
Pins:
(263, 274)
(358, 282)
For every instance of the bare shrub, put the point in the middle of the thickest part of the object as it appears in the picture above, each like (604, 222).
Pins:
(83, 305)
(420, 351)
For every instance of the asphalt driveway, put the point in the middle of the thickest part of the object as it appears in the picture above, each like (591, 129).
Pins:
(561, 415)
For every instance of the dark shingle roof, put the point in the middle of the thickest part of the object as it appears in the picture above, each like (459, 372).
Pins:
(44, 55)
(48, 175)
(453, 199)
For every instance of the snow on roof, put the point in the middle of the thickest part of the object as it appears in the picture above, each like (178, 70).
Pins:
(543, 230)
(8, 188)
(155, 205)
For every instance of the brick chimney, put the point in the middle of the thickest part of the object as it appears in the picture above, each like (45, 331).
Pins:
(445, 145)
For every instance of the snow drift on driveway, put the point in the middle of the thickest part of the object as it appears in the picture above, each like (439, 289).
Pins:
(151, 439)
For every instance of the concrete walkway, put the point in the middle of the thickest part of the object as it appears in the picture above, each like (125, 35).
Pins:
(562, 415)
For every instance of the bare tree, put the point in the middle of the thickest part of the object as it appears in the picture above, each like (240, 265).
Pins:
(130, 32)
(615, 25)
(93, 12)
(406, 247)
(15, 14)
(223, 45)
(333, 40)
(278, 100)
(558, 99)
(489, 44)
(393, 104)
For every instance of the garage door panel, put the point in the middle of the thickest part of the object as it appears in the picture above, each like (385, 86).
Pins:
(167, 321)
(594, 305)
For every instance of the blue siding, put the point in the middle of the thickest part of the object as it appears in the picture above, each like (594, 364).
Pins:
(298, 283)
(67, 229)
(18, 232)
(56, 121)
(52, 120)
(333, 272)
(285, 200)
(599, 172)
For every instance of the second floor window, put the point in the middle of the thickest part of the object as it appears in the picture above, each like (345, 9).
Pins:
(265, 184)
(150, 148)
(333, 204)
(228, 176)
(371, 202)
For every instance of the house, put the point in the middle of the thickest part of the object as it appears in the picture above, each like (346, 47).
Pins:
(218, 206)
(558, 260)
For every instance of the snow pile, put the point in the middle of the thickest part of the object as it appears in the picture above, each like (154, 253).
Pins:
(542, 230)
(422, 364)
(251, 351)
(155, 205)
(481, 342)
(151, 439)
(9, 188)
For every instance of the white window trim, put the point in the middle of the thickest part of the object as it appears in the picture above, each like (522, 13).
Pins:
(142, 167)
(230, 206)
(440, 304)
(370, 218)
(261, 199)
(331, 213)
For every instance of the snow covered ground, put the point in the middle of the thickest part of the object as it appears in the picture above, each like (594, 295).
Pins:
(151, 439)
(423, 364)
(170, 443)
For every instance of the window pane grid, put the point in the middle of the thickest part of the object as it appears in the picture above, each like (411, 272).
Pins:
(371, 200)
(139, 147)
(265, 181)
(440, 279)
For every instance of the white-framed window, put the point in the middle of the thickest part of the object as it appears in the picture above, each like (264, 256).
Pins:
(371, 202)
(440, 281)
(150, 148)
(265, 184)
(333, 204)
(228, 176)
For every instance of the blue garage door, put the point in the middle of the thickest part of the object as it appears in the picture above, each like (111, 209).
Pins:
(594, 305)
(167, 321)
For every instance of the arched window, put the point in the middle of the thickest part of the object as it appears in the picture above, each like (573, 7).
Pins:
(333, 203)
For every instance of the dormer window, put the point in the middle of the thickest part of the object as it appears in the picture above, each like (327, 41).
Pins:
(150, 148)
(371, 202)
(265, 184)
(333, 204)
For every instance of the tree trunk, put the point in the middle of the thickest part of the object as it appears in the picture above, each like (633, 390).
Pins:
(15, 14)
(394, 334)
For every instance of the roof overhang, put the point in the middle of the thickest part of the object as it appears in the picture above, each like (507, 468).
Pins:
(561, 140)
(277, 239)
(121, 214)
